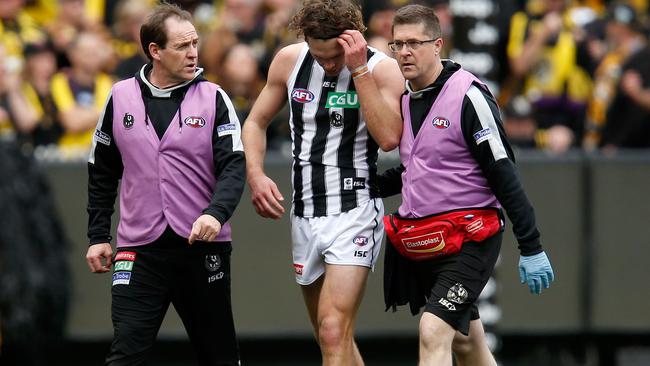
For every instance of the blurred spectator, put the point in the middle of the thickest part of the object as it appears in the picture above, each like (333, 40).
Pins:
(637, 87)
(240, 78)
(16, 115)
(278, 14)
(443, 12)
(380, 23)
(592, 44)
(542, 54)
(40, 66)
(239, 21)
(16, 29)
(72, 19)
(519, 123)
(129, 16)
(627, 120)
(624, 39)
(81, 91)
(378, 15)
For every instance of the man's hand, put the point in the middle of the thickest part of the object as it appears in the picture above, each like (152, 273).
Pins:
(536, 271)
(631, 83)
(205, 228)
(266, 197)
(355, 48)
(96, 253)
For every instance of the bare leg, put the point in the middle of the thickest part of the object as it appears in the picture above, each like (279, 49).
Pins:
(311, 295)
(332, 303)
(472, 350)
(436, 337)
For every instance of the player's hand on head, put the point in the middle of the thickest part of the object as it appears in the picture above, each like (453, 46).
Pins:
(266, 197)
(355, 48)
(205, 228)
(536, 271)
(99, 257)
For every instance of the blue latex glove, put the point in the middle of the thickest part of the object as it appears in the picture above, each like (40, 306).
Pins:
(536, 270)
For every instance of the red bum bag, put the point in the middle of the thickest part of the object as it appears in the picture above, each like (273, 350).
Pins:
(440, 235)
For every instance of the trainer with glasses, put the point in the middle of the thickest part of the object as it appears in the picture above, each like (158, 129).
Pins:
(457, 176)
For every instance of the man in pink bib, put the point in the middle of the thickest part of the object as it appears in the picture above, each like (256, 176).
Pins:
(455, 159)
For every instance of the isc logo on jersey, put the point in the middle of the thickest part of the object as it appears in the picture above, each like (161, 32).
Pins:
(348, 99)
(302, 95)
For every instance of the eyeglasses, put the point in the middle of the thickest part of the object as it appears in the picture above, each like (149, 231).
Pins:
(412, 44)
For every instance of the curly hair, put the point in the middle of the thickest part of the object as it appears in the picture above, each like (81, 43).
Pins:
(325, 19)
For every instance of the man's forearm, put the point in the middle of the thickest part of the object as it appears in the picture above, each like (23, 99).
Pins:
(254, 140)
(383, 121)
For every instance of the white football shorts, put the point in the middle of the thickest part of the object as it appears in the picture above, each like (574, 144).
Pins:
(349, 238)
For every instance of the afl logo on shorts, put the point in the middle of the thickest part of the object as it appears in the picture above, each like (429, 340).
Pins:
(302, 95)
(128, 120)
(195, 122)
(360, 240)
(212, 262)
(440, 122)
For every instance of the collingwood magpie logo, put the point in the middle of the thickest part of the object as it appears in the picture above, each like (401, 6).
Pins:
(128, 121)
(336, 120)
(457, 293)
(212, 262)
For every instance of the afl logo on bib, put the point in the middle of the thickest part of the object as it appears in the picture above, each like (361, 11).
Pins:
(302, 95)
(440, 122)
(195, 122)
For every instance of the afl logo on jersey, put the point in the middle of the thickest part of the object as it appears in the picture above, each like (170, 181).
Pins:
(302, 95)
(440, 122)
(195, 122)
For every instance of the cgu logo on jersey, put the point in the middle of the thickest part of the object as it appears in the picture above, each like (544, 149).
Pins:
(440, 122)
(302, 95)
(348, 99)
(195, 122)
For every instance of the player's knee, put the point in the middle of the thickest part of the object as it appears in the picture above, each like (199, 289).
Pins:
(434, 335)
(332, 332)
(462, 345)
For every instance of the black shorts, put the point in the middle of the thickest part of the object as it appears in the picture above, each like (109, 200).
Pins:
(457, 281)
(194, 278)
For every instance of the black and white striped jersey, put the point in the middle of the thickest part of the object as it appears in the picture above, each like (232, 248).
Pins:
(334, 156)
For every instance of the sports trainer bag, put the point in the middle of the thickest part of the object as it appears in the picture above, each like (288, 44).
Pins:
(440, 235)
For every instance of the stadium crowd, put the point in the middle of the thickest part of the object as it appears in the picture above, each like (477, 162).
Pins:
(572, 74)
